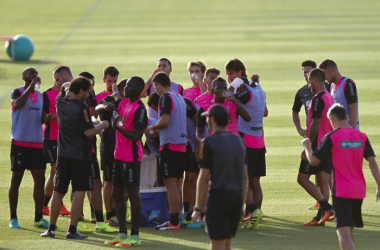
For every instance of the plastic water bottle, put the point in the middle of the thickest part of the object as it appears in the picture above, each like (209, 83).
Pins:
(227, 94)
(37, 86)
(120, 123)
(194, 76)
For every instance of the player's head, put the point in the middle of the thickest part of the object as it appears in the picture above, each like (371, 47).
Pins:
(121, 86)
(219, 86)
(211, 74)
(198, 68)
(235, 68)
(164, 65)
(62, 74)
(336, 114)
(89, 76)
(330, 68)
(110, 76)
(161, 81)
(80, 86)
(153, 100)
(134, 86)
(28, 74)
(316, 80)
(216, 115)
(306, 66)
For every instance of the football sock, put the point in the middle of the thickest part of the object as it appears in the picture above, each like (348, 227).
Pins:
(47, 200)
(174, 219)
(188, 216)
(51, 227)
(319, 214)
(251, 207)
(72, 229)
(325, 205)
(92, 208)
(38, 216)
(13, 215)
(186, 207)
(99, 216)
(134, 231)
(109, 215)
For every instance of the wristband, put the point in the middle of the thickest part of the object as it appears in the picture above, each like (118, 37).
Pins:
(116, 93)
(197, 209)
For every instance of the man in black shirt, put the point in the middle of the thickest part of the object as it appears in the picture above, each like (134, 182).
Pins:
(223, 163)
(74, 153)
(107, 148)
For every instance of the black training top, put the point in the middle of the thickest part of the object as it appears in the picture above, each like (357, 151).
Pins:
(73, 119)
(224, 153)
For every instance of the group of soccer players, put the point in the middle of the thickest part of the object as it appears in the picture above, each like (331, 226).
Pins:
(174, 128)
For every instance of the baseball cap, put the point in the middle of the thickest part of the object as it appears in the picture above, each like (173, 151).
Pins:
(217, 111)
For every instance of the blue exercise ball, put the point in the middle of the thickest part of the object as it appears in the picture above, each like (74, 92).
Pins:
(23, 47)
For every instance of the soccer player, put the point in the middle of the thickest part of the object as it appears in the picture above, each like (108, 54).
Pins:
(129, 125)
(172, 131)
(74, 153)
(110, 76)
(61, 74)
(196, 72)
(107, 158)
(303, 98)
(234, 107)
(235, 68)
(27, 145)
(94, 196)
(346, 147)
(163, 65)
(191, 166)
(208, 96)
(222, 163)
(343, 89)
(318, 126)
(253, 98)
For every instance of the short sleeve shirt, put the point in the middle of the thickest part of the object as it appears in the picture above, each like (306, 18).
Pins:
(346, 147)
(73, 119)
(224, 153)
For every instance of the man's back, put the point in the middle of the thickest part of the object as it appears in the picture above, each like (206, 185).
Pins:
(73, 119)
(224, 153)
(347, 147)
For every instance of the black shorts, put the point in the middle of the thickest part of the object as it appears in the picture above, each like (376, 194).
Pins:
(256, 162)
(76, 171)
(95, 166)
(190, 163)
(50, 151)
(23, 158)
(223, 214)
(348, 212)
(107, 161)
(306, 168)
(126, 174)
(171, 163)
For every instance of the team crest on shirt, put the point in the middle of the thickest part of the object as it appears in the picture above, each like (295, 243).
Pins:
(86, 115)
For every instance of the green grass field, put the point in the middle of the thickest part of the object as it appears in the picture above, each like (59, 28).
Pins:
(271, 37)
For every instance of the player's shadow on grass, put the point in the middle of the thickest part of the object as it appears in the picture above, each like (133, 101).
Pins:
(28, 62)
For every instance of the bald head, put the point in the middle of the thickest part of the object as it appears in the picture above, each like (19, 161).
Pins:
(26, 71)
